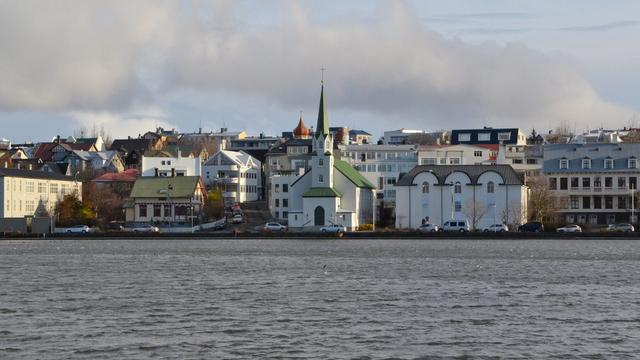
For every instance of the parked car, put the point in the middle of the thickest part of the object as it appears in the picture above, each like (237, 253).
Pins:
(114, 227)
(237, 219)
(333, 228)
(456, 225)
(426, 228)
(533, 226)
(270, 226)
(78, 229)
(145, 228)
(622, 227)
(569, 229)
(496, 228)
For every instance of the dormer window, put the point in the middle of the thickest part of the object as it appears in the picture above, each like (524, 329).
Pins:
(608, 163)
(564, 164)
(633, 163)
(320, 162)
(586, 163)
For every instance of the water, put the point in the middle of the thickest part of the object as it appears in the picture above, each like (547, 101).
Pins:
(242, 299)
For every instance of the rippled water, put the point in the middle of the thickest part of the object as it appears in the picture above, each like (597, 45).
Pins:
(215, 299)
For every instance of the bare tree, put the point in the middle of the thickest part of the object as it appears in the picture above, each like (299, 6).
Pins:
(542, 203)
(513, 216)
(474, 211)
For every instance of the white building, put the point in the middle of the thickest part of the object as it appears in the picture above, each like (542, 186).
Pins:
(396, 137)
(331, 191)
(279, 194)
(481, 194)
(22, 191)
(381, 165)
(238, 173)
(171, 166)
(456, 155)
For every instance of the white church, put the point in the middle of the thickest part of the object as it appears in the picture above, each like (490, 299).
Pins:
(330, 191)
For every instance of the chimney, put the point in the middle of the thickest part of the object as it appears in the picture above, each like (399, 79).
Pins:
(179, 153)
(501, 158)
(173, 172)
(58, 139)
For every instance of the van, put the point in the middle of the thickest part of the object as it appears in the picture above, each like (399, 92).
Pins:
(456, 225)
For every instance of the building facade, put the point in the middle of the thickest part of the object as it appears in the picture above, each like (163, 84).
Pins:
(481, 194)
(171, 166)
(238, 175)
(487, 135)
(593, 183)
(22, 192)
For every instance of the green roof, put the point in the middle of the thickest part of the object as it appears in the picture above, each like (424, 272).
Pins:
(322, 192)
(352, 174)
(178, 187)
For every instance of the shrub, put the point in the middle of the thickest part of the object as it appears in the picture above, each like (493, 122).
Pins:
(365, 227)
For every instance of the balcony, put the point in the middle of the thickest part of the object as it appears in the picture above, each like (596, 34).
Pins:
(227, 180)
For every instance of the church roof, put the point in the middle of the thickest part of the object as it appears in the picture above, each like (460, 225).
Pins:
(323, 123)
(322, 192)
(301, 129)
(352, 174)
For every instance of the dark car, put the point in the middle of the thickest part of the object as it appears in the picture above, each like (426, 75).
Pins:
(531, 227)
(114, 227)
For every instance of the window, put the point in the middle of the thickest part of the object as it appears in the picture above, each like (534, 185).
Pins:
(586, 163)
(586, 202)
(608, 163)
(320, 178)
(320, 162)
(564, 164)
(504, 136)
(277, 215)
(277, 188)
(597, 183)
(464, 137)
(42, 188)
(575, 202)
(553, 183)
(586, 182)
(458, 206)
(30, 186)
(490, 187)
(532, 161)
(608, 182)
(167, 210)
(142, 210)
(632, 163)
(516, 161)
(564, 183)
(477, 153)
(454, 161)
(285, 203)
(608, 202)
(632, 182)
(574, 182)
(597, 202)
(622, 182)
(457, 188)
(622, 202)
(163, 162)
(429, 161)
(285, 188)
(484, 136)
(157, 208)
(277, 202)
(425, 187)
(168, 162)
(53, 188)
(285, 214)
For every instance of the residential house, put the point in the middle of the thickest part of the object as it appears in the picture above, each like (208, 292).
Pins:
(237, 173)
(163, 164)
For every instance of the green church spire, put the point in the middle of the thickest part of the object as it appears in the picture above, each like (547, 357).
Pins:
(323, 124)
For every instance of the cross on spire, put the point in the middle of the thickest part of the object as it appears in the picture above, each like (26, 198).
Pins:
(322, 69)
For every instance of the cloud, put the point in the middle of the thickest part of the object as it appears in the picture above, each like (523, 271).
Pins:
(603, 27)
(121, 125)
(102, 60)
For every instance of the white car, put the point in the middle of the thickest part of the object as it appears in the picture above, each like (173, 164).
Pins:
(333, 228)
(456, 225)
(78, 229)
(237, 219)
(622, 227)
(426, 228)
(496, 228)
(145, 228)
(569, 229)
(274, 227)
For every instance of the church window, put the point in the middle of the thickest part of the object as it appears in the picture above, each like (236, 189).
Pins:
(425, 187)
(490, 187)
(320, 162)
(457, 188)
(320, 178)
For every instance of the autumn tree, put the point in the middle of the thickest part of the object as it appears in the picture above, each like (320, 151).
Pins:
(542, 202)
(106, 203)
(214, 204)
(71, 211)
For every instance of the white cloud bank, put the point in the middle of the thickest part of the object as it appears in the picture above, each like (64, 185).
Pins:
(97, 57)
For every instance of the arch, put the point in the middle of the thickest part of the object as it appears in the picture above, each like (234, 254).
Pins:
(318, 216)
(425, 187)
(491, 187)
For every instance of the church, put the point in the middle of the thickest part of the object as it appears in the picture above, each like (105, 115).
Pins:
(330, 191)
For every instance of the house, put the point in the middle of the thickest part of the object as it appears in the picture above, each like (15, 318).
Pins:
(165, 164)
(593, 183)
(132, 150)
(397, 137)
(481, 194)
(457, 154)
(120, 183)
(23, 191)
(237, 173)
(360, 137)
(94, 161)
(330, 191)
(167, 200)
(290, 157)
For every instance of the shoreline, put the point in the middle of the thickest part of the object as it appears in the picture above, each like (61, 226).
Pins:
(391, 235)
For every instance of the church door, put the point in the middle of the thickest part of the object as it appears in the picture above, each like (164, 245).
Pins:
(319, 216)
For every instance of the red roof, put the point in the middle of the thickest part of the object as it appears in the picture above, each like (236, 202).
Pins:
(301, 130)
(128, 175)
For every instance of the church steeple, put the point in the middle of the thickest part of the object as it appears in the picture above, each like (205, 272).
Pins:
(322, 127)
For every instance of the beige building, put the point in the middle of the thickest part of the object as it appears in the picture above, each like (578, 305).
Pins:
(22, 191)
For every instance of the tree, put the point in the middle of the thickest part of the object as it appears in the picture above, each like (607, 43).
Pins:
(214, 205)
(513, 216)
(474, 211)
(71, 211)
(542, 203)
(106, 203)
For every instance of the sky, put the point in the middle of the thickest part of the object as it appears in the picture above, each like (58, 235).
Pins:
(129, 66)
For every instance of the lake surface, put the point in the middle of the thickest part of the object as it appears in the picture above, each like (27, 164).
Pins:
(374, 299)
